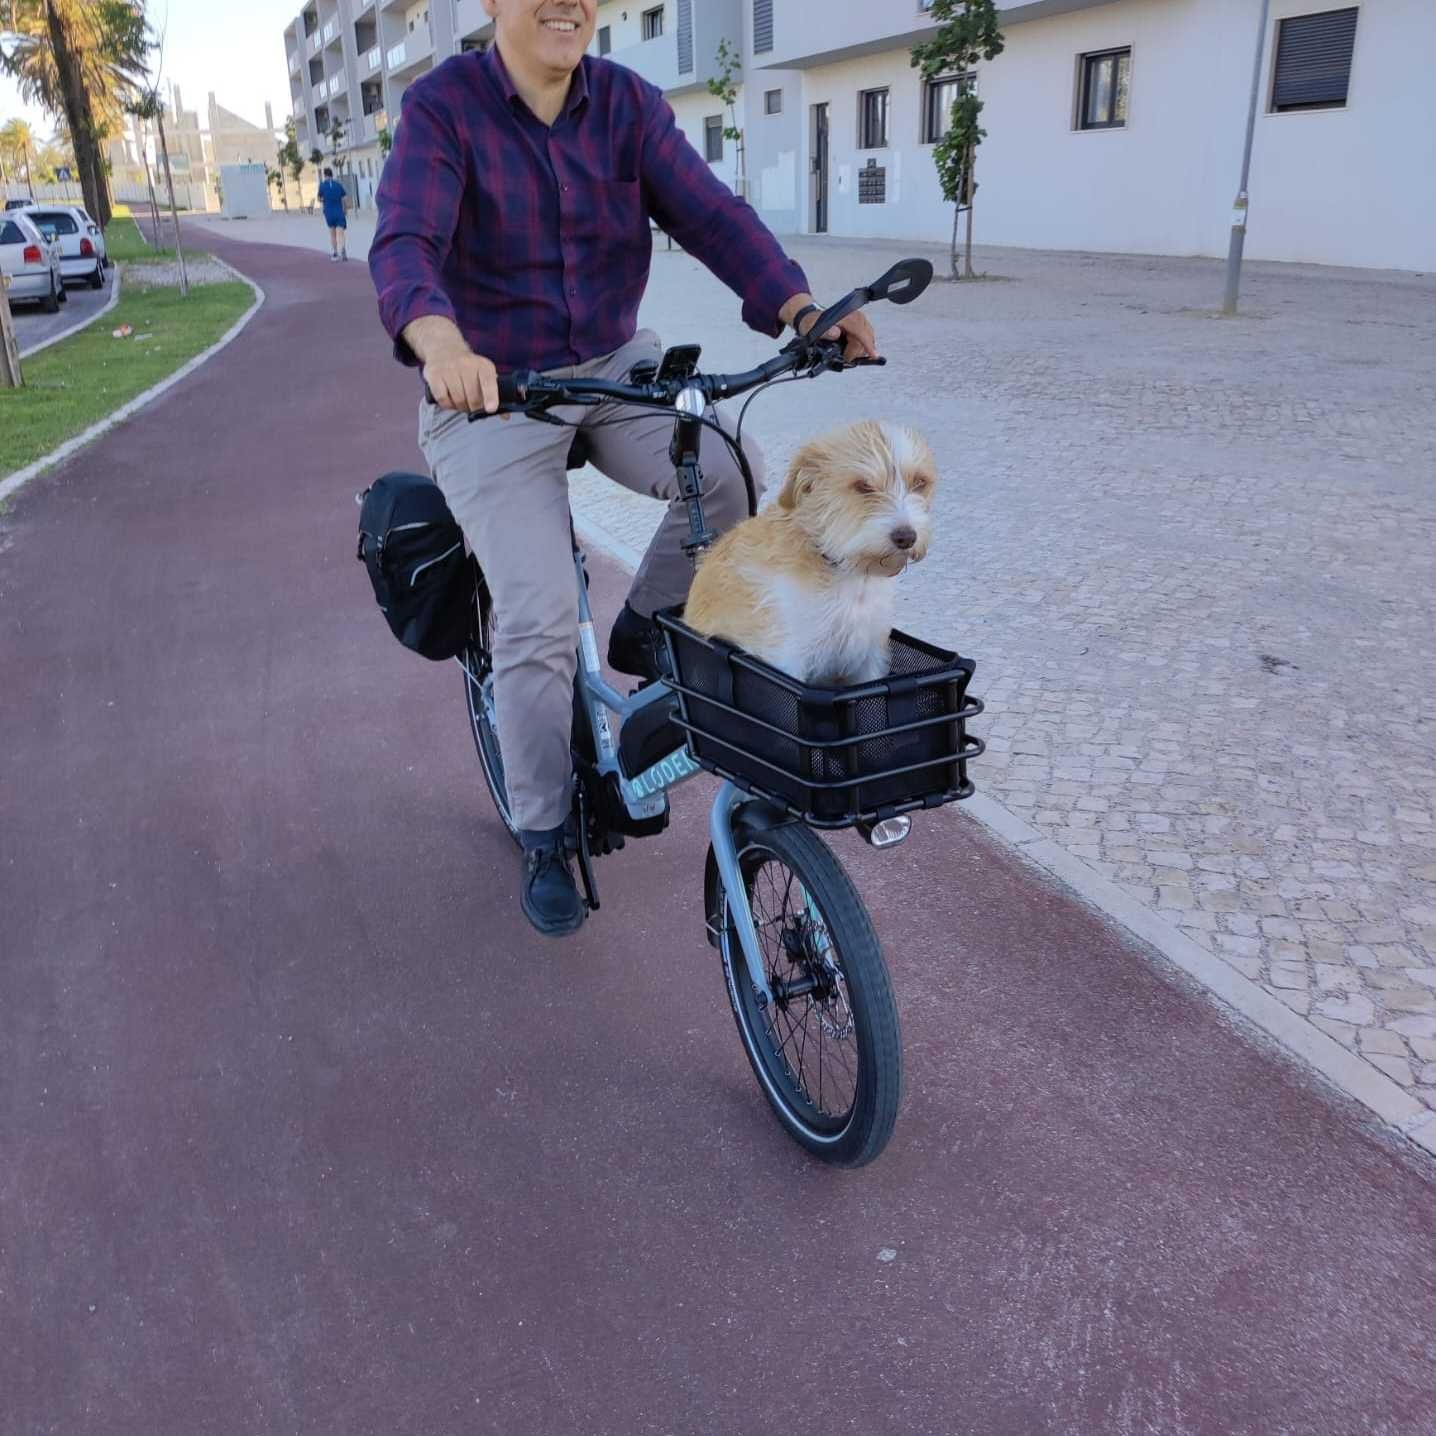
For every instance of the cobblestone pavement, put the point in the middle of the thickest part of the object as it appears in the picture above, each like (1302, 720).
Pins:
(1194, 560)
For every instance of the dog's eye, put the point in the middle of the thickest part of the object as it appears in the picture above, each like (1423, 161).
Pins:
(863, 487)
(919, 483)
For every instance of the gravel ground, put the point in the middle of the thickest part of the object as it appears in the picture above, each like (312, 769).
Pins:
(157, 274)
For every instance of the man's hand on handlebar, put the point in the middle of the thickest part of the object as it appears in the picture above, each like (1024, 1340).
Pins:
(467, 382)
(454, 376)
(860, 342)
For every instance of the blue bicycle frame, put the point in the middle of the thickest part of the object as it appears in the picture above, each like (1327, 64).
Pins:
(645, 795)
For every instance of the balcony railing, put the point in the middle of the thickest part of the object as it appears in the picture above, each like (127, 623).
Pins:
(318, 93)
(293, 61)
(336, 83)
(314, 43)
(376, 58)
(396, 54)
(331, 30)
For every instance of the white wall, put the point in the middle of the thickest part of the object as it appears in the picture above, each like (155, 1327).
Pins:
(1349, 186)
(690, 111)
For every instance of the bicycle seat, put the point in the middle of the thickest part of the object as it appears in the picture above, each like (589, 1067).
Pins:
(579, 452)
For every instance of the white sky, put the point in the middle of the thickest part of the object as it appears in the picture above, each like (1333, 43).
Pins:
(233, 47)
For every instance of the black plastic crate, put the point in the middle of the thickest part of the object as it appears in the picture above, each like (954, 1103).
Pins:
(831, 756)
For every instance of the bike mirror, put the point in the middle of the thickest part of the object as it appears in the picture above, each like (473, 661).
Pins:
(903, 282)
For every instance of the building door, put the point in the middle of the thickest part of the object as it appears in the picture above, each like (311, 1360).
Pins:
(820, 169)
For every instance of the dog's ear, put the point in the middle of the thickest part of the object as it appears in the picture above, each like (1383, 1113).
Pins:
(802, 475)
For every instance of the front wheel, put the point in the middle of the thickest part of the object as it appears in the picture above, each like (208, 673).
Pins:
(826, 1051)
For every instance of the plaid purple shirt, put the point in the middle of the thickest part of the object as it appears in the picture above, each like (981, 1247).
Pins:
(536, 241)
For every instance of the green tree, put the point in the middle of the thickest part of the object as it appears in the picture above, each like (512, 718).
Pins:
(17, 150)
(386, 142)
(967, 31)
(724, 87)
(79, 60)
(337, 132)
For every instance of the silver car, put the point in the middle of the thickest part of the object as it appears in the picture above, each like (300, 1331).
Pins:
(81, 241)
(30, 262)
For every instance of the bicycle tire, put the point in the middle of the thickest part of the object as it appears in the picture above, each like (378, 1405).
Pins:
(856, 1136)
(478, 696)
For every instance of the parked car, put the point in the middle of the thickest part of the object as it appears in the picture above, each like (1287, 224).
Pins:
(31, 262)
(82, 242)
(18, 203)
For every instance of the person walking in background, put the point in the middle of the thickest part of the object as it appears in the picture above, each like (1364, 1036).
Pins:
(335, 199)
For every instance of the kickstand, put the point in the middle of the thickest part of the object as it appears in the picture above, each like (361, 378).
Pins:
(585, 860)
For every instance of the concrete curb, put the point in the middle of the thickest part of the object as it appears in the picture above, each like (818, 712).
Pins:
(13, 482)
(100, 313)
(1249, 1001)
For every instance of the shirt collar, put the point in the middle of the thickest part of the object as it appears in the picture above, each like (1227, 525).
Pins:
(499, 73)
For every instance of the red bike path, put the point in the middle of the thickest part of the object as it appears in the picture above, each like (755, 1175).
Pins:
(302, 1130)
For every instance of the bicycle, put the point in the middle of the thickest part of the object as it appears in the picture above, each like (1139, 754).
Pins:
(804, 970)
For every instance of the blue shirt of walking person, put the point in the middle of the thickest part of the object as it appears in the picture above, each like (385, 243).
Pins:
(332, 196)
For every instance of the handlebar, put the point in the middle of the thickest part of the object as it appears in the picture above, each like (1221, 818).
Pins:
(525, 391)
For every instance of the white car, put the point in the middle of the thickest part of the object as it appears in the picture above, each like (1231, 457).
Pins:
(81, 241)
(30, 262)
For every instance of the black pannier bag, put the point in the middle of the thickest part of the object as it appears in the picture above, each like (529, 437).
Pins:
(414, 551)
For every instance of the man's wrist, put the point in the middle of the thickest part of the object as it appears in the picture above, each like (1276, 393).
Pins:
(434, 338)
(793, 307)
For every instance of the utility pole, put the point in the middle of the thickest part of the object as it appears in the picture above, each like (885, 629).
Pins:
(1239, 209)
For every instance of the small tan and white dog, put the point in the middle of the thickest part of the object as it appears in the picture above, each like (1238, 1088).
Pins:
(807, 585)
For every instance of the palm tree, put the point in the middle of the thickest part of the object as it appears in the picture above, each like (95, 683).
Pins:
(78, 59)
(17, 145)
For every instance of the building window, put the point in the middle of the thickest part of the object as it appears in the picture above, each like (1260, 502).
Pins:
(762, 26)
(1105, 80)
(938, 98)
(713, 138)
(873, 120)
(772, 102)
(1313, 60)
(605, 39)
(653, 23)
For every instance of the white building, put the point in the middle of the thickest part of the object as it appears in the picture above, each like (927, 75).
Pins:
(1111, 126)
(1115, 126)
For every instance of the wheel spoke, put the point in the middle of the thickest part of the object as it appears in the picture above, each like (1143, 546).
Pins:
(796, 943)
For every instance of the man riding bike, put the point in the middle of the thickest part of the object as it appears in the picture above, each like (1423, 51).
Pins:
(514, 233)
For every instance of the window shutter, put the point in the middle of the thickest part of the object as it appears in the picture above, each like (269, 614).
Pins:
(1313, 59)
(685, 37)
(762, 26)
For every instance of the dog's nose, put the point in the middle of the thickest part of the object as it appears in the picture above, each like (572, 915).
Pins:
(904, 537)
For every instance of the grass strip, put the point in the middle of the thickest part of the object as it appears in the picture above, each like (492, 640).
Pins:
(76, 382)
(123, 241)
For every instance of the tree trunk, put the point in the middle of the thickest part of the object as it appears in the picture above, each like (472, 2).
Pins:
(78, 116)
(10, 376)
(150, 185)
(30, 173)
(952, 255)
(174, 209)
(967, 185)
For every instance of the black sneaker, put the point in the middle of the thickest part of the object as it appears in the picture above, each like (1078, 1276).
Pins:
(547, 891)
(636, 647)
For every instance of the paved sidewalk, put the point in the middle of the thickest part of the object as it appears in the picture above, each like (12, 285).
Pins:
(1196, 562)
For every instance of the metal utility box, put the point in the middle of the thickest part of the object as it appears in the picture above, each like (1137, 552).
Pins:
(245, 191)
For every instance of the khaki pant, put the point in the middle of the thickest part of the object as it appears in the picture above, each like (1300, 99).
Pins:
(506, 482)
